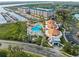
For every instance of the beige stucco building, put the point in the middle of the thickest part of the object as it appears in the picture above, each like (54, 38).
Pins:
(37, 11)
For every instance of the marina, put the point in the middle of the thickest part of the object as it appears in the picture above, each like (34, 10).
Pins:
(6, 16)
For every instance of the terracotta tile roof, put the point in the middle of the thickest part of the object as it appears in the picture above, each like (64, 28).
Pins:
(53, 32)
(52, 28)
(51, 24)
(50, 21)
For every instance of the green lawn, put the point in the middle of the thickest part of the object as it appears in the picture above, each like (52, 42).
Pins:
(13, 31)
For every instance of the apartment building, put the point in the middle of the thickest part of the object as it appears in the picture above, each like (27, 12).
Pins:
(37, 11)
(24, 10)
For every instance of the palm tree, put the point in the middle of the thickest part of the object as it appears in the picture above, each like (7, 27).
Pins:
(75, 50)
(43, 31)
(64, 17)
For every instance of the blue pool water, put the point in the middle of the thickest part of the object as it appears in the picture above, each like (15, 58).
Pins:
(37, 28)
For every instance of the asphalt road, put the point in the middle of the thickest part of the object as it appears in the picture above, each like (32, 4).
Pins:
(50, 52)
(72, 38)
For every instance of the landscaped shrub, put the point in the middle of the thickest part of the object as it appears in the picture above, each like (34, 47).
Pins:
(67, 48)
(71, 49)
(45, 43)
(16, 52)
(39, 40)
(3, 53)
(63, 40)
(42, 41)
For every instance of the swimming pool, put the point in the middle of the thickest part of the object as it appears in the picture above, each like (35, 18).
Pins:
(37, 28)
